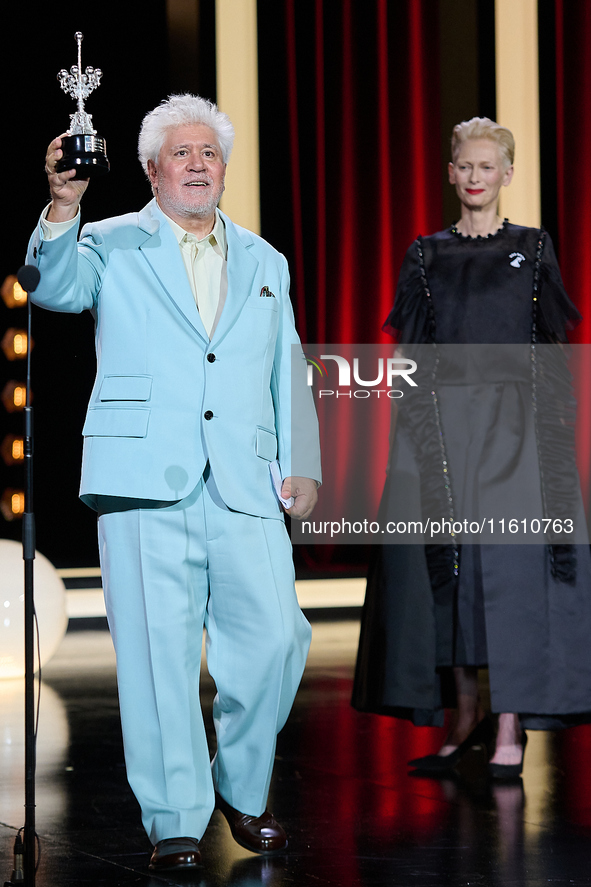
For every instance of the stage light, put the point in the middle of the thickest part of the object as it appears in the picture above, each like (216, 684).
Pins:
(50, 606)
(12, 504)
(12, 449)
(14, 396)
(12, 292)
(14, 344)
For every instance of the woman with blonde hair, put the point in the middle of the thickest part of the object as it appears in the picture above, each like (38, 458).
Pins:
(436, 613)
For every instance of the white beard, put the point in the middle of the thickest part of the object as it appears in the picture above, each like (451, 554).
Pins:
(188, 208)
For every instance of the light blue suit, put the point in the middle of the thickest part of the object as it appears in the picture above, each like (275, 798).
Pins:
(145, 435)
(183, 550)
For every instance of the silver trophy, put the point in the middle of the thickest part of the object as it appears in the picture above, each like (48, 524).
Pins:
(83, 149)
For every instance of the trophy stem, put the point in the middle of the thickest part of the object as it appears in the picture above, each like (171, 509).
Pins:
(79, 38)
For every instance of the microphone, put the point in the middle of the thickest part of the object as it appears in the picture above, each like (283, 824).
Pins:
(28, 276)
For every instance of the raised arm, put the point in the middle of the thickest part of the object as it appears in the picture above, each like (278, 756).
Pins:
(68, 282)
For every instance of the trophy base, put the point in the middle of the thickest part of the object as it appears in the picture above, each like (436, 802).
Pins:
(84, 153)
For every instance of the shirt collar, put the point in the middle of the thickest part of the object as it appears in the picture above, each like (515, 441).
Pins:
(216, 236)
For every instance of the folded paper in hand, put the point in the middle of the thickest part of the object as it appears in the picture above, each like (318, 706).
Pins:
(277, 483)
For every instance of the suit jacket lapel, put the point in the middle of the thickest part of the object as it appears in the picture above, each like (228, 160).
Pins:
(162, 253)
(242, 267)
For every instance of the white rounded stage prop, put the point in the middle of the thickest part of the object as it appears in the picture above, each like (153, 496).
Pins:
(50, 606)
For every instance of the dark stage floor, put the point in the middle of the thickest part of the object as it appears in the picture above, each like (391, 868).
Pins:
(341, 788)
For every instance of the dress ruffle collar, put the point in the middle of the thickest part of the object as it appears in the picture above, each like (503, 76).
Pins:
(496, 233)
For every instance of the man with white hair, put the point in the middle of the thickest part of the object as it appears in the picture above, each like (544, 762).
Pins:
(191, 408)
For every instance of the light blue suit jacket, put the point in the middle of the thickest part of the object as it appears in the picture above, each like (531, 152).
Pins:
(166, 398)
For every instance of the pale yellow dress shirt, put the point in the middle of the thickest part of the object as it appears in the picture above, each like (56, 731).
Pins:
(205, 261)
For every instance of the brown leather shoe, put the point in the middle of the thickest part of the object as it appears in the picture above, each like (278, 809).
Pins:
(260, 834)
(175, 854)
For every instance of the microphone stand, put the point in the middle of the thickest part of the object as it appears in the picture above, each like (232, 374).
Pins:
(24, 858)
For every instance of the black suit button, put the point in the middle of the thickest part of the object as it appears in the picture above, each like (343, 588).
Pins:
(208, 415)
(211, 357)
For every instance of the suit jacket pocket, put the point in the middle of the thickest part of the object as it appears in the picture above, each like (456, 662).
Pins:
(266, 444)
(267, 303)
(106, 422)
(126, 388)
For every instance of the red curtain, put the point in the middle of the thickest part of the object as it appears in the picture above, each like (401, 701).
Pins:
(360, 118)
(573, 150)
(363, 107)
(354, 99)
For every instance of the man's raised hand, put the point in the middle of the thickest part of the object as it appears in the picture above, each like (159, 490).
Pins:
(66, 191)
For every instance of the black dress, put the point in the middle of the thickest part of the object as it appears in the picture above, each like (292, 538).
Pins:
(522, 610)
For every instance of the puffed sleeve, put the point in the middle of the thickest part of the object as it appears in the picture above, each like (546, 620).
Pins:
(408, 321)
(556, 312)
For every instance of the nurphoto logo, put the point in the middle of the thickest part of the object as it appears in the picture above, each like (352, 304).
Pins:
(390, 369)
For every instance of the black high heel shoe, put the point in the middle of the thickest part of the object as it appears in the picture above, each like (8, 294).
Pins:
(482, 734)
(509, 771)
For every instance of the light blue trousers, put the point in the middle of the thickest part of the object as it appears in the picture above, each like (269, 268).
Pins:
(167, 572)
